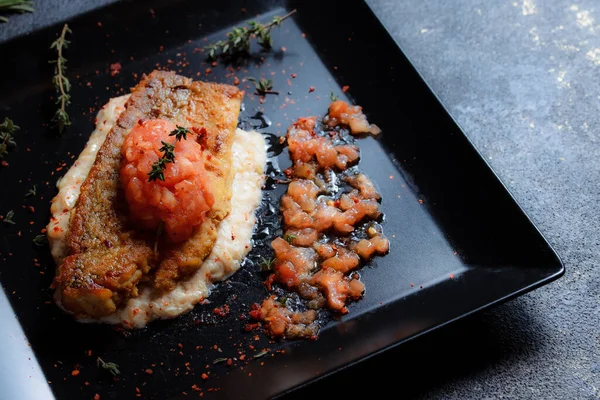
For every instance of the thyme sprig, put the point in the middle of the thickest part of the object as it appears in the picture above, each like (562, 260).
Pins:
(61, 83)
(168, 150)
(266, 264)
(263, 86)
(109, 366)
(32, 191)
(289, 237)
(8, 218)
(21, 6)
(7, 141)
(333, 97)
(238, 40)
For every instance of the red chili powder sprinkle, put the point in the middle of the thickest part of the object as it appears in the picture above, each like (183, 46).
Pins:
(345, 88)
(149, 371)
(204, 376)
(451, 276)
(75, 372)
(96, 396)
(311, 89)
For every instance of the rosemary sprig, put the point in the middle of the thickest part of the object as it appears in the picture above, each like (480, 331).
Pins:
(61, 83)
(288, 237)
(168, 150)
(333, 97)
(263, 86)
(109, 366)
(21, 6)
(266, 264)
(219, 360)
(8, 218)
(238, 40)
(7, 141)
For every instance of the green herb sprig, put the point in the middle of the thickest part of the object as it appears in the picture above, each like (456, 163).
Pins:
(21, 6)
(333, 97)
(8, 218)
(266, 264)
(40, 240)
(32, 191)
(108, 366)
(289, 237)
(168, 150)
(263, 86)
(61, 83)
(7, 141)
(238, 40)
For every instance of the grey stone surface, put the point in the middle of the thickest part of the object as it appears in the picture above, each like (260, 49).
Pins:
(522, 77)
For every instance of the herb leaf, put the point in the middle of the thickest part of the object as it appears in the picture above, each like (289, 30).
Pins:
(40, 240)
(61, 83)
(263, 86)
(109, 366)
(31, 192)
(21, 6)
(261, 354)
(219, 360)
(7, 141)
(288, 237)
(180, 132)
(168, 150)
(238, 40)
(8, 218)
(266, 264)
(333, 97)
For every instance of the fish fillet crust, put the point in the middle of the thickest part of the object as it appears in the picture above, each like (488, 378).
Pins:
(108, 257)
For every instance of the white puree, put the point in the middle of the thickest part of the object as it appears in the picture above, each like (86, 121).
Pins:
(233, 240)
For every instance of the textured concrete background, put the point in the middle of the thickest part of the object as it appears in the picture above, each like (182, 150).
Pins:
(522, 77)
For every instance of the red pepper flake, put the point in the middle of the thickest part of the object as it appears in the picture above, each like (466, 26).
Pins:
(303, 35)
(195, 388)
(86, 383)
(204, 376)
(4, 163)
(207, 71)
(451, 276)
(229, 362)
(99, 24)
(311, 89)
(96, 396)
(180, 345)
(152, 13)
(75, 372)
(249, 373)
(31, 209)
(236, 81)
(283, 49)
(115, 69)
(221, 311)
(293, 76)
(149, 371)
(345, 88)
(420, 201)
(243, 357)
(412, 285)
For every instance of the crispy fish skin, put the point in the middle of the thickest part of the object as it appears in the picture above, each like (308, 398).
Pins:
(107, 256)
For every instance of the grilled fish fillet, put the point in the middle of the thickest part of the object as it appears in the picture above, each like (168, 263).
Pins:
(108, 257)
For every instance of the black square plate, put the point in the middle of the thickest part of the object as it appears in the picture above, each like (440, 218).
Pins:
(459, 242)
